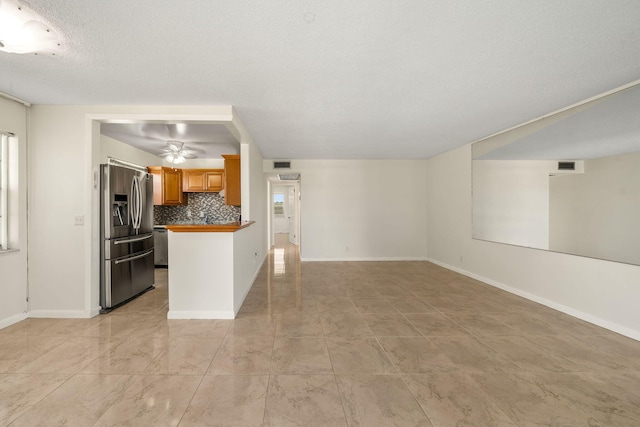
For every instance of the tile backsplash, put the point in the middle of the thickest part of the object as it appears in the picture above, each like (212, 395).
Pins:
(201, 208)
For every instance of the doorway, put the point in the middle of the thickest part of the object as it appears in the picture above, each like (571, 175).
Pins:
(94, 157)
(284, 211)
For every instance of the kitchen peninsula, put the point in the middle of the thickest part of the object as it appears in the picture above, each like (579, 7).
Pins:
(210, 269)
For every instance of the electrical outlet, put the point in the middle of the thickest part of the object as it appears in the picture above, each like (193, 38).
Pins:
(79, 220)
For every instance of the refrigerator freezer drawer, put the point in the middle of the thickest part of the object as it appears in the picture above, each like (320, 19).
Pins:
(123, 246)
(126, 277)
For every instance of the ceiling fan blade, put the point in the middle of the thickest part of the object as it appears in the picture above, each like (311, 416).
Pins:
(193, 151)
(203, 142)
(175, 145)
(172, 130)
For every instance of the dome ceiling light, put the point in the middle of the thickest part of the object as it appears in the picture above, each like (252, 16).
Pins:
(23, 31)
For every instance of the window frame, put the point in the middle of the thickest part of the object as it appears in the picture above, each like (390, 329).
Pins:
(278, 206)
(4, 189)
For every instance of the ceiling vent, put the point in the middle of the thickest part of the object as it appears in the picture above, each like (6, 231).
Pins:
(282, 164)
(289, 177)
(567, 166)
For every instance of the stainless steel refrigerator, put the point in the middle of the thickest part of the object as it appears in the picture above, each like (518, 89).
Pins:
(126, 233)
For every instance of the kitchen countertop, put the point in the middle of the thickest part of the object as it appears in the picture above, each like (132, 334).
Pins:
(208, 228)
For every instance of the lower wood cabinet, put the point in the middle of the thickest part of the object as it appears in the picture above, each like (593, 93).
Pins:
(202, 180)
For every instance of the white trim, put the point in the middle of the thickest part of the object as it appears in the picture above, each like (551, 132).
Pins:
(623, 330)
(577, 104)
(13, 98)
(4, 192)
(61, 314)
(175, 314)
(365, 259)
(13, 320)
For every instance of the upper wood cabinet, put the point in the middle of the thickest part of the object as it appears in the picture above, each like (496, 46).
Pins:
(232, 179)
(202, 180)
(167, 186)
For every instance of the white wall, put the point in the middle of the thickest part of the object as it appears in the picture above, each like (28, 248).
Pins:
(602, 292)
(64, 153)
(511, 201)
(57, 193)
(13, 265)
(361, 209)
(246, 262)
(201, 277)
(597, 213)
(254, 194)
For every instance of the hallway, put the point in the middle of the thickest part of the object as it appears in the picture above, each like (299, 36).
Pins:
(323, 344)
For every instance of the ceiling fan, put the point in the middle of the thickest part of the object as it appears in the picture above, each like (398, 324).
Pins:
(176, 152)
(175, 142)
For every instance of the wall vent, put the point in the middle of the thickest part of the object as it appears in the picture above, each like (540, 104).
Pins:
(567, 166)
(282, 165)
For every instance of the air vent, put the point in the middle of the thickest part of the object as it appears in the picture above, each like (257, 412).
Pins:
(282, 165)
(567, 166)
(289, 177)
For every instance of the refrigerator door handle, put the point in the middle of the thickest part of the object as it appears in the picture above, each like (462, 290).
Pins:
(142, 255)
(140, 201)
(136, 203)
(132, 210)
(140, 206)
(135, 239)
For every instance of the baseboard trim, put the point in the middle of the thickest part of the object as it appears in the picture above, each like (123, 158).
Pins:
(176, 314)
(62, 314)
(622, 330)
(365, 259)
(11, 320)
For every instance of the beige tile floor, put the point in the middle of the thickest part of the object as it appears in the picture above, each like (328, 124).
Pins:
(324, 344)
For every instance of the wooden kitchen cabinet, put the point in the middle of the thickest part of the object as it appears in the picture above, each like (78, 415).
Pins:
(202, 180)
(232, 179)
(167, 186)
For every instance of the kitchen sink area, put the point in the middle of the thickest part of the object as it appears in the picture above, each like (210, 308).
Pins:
(201, 209)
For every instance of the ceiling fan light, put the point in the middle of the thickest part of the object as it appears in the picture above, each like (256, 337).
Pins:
(178, 159)
(170, 157)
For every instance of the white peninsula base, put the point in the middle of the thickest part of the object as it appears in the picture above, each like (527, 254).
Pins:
(211, 269)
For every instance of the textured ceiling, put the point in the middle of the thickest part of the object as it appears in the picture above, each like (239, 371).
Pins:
(338, 79)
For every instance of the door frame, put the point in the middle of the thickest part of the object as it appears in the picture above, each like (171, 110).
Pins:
(93, 120)
(272, 181)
